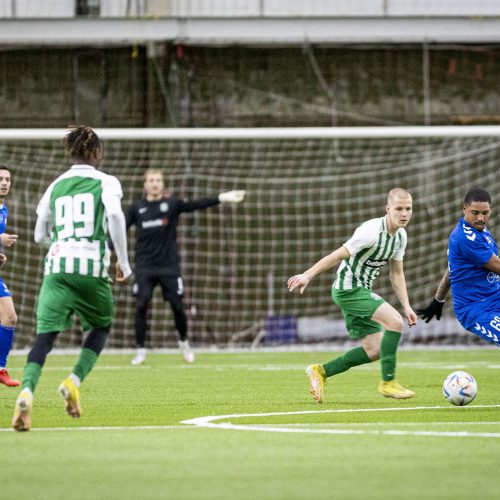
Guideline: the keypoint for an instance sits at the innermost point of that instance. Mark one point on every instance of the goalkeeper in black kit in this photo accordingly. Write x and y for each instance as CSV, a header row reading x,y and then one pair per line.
x,y
157,260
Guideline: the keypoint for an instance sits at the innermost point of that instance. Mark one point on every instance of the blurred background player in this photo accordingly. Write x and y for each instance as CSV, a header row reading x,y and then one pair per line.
x,y
473,272
368,317
8,316
81,207
157,260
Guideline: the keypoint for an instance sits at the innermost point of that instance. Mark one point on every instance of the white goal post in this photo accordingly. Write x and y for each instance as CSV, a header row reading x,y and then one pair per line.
x,y
307,190
180,134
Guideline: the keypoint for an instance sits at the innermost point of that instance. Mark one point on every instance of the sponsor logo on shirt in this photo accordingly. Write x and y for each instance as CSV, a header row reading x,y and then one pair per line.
x,y
375,263
493,277
154,223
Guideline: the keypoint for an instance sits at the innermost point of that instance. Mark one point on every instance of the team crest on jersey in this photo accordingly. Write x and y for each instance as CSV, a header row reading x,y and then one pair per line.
x,y
375,296
164,207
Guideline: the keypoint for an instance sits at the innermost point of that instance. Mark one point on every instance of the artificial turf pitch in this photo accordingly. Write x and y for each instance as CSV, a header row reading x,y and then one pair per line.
x,y
243,425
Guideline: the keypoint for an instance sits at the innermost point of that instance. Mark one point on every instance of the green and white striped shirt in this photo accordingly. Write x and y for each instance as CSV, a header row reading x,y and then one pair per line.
x,y
77,203
371,247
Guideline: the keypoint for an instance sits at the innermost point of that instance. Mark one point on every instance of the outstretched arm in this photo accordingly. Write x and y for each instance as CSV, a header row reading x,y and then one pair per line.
x,y
327,262
435,308
226,197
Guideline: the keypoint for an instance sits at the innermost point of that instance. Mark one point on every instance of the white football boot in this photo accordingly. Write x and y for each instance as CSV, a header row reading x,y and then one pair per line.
x,y
187,352
140,356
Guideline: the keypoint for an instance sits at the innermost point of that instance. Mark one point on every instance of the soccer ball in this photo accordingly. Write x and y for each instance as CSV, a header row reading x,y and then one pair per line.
x,y
459,388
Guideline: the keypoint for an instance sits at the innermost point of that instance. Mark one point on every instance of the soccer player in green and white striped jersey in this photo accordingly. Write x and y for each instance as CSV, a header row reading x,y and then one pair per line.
x,y
77,213
368,317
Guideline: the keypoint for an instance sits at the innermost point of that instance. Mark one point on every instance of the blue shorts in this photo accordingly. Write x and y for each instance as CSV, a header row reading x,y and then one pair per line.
x,y
484,323
4,291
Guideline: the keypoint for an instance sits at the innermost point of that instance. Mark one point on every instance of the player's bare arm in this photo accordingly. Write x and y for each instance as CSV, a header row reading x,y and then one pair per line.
x,y
398,282
443,287
493,264
435,308
119,276
327,262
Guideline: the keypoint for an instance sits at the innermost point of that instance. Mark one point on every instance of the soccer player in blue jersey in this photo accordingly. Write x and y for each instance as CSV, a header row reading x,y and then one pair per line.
x,y
8,317
473,272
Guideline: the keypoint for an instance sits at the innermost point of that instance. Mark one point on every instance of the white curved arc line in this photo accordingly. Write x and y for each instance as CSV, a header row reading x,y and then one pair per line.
x,y
209,422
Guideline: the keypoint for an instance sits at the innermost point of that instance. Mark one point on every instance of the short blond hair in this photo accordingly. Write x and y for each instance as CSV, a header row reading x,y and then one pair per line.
x,y
397,193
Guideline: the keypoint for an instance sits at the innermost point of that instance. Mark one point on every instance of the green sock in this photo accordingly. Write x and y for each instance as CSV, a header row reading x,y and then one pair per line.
x,y
354,357
388,348
31,375
85,363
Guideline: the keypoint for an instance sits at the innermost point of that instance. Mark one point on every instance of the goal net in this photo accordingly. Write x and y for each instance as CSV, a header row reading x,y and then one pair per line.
x,y
307,190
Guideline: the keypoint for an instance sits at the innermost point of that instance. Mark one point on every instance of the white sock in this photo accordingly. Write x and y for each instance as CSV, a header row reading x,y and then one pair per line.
x,y
75,379
141,351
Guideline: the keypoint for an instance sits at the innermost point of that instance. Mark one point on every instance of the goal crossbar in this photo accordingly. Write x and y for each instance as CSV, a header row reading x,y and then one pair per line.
x,y
260,133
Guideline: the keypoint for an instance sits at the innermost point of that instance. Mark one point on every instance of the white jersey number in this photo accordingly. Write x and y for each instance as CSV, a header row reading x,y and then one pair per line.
x,y
75,216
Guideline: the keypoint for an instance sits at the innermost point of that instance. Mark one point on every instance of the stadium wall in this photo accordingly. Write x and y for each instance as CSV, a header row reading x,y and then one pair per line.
x,y
177,86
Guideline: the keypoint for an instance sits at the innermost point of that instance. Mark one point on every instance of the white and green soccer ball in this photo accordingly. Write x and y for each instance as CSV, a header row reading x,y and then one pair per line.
x,y
459,388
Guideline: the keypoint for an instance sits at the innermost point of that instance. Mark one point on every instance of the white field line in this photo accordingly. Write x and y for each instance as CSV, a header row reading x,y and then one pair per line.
x,y
96,368
209,422
300,348
272,367
379,424
422,365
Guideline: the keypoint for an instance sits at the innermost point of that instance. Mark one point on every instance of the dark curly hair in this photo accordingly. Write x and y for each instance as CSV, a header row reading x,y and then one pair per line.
x,y
81,142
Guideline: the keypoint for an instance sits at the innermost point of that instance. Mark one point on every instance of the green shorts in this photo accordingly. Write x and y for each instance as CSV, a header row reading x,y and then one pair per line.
x,y
358,306
63,295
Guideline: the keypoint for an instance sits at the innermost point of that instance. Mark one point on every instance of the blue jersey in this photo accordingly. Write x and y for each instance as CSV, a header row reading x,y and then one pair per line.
x,y
473,287
4,212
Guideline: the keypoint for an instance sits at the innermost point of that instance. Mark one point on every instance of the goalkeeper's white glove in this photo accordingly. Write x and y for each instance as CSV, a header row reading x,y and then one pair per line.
x,y
232,196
